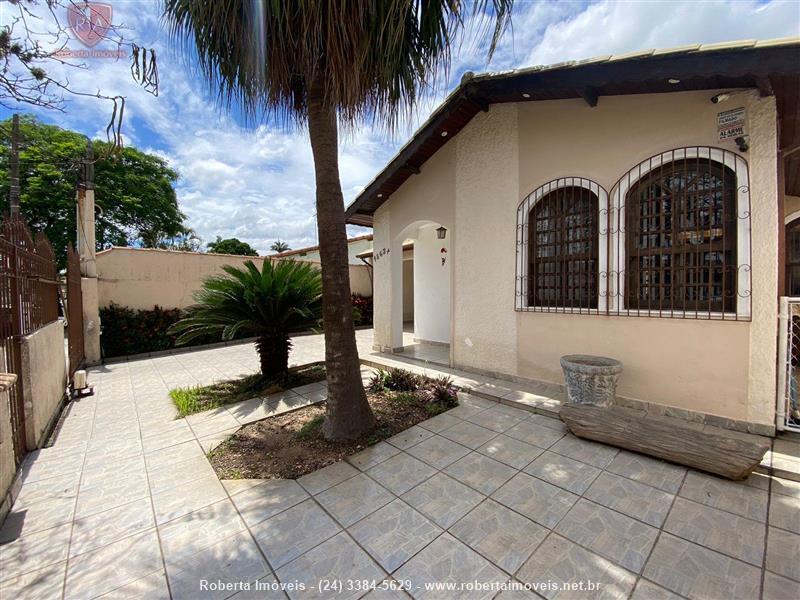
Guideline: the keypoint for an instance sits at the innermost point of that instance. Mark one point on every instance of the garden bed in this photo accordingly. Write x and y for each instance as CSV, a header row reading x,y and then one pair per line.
x,y
291,445
197,399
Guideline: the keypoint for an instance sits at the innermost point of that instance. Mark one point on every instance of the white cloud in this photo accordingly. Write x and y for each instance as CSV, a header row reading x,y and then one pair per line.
x,y
626,26
257,183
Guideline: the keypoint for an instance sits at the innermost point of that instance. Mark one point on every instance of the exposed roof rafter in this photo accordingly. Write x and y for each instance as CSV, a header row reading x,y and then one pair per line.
x,y
591,95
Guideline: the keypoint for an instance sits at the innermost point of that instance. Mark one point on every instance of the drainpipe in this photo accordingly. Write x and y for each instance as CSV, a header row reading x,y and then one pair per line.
x,y
369,272
784,360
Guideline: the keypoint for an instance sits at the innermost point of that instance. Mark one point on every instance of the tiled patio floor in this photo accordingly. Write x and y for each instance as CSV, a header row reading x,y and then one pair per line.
x,y
125,505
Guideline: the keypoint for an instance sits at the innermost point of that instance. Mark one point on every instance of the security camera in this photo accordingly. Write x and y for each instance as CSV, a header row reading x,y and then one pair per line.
x,y
742,143
720,97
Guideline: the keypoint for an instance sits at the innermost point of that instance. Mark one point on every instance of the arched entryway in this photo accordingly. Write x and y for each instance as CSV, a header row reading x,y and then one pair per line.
x,y
425,311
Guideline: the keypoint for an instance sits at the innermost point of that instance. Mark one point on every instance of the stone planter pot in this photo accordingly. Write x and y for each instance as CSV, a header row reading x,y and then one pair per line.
x,y
590,379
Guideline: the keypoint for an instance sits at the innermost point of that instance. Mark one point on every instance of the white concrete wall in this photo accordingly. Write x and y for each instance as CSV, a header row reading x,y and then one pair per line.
x,y
431,286
143,278
44,379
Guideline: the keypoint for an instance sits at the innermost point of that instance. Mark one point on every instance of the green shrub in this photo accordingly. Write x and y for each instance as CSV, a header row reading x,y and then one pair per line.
x,y
440,391
362,309
378,381
126,331
435,409
400,380
407,397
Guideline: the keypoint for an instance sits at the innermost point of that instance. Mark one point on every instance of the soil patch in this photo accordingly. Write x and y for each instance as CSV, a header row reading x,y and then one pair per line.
x,y
292,445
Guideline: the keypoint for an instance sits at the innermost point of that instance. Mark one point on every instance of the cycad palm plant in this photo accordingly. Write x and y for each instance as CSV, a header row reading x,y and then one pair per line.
x,y
268,304
319,63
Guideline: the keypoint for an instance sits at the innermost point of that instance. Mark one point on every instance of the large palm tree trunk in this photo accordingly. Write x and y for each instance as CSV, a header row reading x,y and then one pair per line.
x,y
348,413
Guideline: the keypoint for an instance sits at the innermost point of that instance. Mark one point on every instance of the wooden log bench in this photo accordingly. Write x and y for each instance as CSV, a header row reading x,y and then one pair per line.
x,y
719,451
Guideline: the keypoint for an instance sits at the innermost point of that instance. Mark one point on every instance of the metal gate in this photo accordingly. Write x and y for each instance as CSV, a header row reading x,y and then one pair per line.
x,y
789,365
28,301
74,311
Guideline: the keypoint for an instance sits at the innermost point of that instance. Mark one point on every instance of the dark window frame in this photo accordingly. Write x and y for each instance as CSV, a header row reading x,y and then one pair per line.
x,y
561,274
685,253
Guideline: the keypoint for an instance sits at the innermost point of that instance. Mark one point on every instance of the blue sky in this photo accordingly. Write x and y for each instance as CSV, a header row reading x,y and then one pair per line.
x,y
256,182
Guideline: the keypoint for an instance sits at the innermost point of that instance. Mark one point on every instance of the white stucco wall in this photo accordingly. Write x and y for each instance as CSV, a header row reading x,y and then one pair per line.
x,y
382,297
423,199
766,220
721,368
487,182
431,286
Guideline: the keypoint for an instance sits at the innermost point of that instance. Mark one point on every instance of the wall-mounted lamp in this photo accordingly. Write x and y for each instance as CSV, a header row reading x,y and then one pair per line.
x,y
441,232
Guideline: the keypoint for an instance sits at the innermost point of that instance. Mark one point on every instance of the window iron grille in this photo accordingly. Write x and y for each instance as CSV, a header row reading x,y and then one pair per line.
x,y
672,239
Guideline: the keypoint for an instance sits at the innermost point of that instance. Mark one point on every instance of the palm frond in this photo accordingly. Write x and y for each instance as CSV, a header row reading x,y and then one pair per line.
x,y
372,56
279,299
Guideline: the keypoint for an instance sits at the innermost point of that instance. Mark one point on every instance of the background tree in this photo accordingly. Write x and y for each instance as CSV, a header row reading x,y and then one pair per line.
x,y
319,63
135,194
231,246
33,40
279,246
185,241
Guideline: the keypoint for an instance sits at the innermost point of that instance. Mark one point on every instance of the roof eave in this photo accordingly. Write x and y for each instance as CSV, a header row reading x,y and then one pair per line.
x,y
750,61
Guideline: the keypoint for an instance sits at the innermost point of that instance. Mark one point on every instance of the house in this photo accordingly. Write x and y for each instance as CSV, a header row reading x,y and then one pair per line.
x,y
628,206
355,246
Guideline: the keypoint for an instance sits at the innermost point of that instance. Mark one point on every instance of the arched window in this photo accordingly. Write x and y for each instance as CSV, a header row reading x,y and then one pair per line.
x,y
681,238
562,252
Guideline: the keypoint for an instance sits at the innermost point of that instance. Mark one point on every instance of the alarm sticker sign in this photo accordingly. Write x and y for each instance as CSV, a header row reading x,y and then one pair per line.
x,y
730,123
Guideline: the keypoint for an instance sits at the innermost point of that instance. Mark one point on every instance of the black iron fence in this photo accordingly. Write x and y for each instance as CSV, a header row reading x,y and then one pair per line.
x,y
28,302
